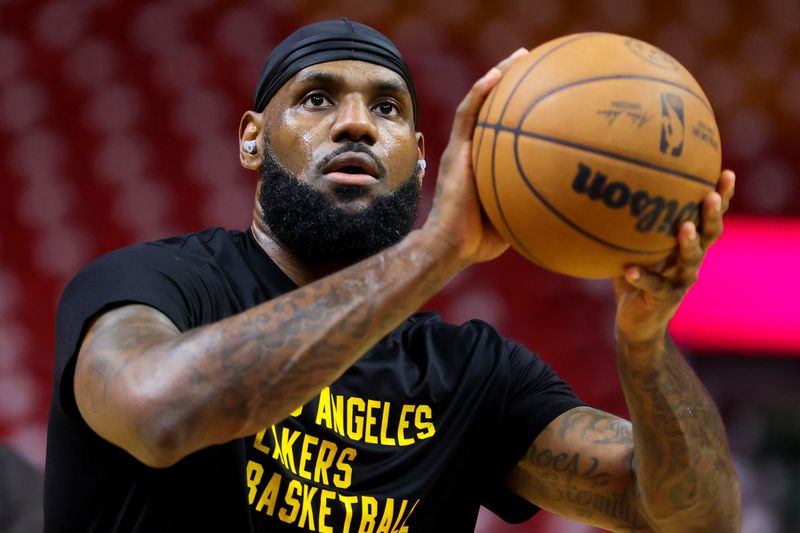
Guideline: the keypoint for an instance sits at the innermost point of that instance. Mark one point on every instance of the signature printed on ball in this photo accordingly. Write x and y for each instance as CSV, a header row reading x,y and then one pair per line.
x,y
633,110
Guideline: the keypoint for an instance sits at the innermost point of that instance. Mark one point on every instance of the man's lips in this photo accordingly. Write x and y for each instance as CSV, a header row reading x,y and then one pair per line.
x,y
351,168
343,178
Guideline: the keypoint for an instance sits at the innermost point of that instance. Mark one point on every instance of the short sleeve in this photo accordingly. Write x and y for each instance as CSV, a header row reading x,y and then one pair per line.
x,y
536,396
145,274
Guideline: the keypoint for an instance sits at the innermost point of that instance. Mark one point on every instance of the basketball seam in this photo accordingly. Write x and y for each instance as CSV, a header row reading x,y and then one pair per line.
x,y
614,77
591,149
494,141
477,159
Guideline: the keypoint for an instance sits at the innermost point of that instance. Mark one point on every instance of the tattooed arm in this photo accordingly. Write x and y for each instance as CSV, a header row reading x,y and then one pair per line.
x,y
161,394
580,467
670,470
684,469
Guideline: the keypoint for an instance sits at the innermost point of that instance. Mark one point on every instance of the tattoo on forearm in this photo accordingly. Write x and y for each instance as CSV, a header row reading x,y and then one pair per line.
x,y
681,448
250,350
252,369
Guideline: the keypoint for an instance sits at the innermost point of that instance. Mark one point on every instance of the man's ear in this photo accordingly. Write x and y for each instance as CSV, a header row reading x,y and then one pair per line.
x,y
251,149
421,155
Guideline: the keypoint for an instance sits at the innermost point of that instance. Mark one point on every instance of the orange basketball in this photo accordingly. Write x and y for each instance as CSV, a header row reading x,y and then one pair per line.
x,y
592,150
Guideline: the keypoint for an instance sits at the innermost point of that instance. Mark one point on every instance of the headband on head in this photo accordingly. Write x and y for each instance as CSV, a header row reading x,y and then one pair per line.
x,y
329,40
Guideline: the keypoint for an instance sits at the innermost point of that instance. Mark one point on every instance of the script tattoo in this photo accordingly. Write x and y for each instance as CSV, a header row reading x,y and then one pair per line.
x,y
570,465
580,482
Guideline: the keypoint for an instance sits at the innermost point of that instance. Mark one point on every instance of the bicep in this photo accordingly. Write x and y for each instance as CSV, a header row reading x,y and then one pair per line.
x,y
108,373
580,467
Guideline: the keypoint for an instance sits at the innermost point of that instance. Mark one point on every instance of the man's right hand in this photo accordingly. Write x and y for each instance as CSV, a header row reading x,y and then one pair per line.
x,y
457,216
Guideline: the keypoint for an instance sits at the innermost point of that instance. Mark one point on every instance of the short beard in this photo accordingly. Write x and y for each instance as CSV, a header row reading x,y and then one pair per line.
x,y
317,231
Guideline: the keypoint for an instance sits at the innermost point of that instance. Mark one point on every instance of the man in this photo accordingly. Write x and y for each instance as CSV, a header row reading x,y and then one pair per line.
x,y
274,380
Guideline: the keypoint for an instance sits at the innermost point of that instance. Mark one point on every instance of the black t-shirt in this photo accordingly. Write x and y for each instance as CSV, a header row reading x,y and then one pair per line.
x,y
413,437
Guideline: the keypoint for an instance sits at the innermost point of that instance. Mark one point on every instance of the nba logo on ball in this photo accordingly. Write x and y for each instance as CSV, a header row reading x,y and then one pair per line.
x,y
591,152
672,125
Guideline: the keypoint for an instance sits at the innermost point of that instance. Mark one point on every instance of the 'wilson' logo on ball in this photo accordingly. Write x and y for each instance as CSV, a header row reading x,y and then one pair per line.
x,y
651,213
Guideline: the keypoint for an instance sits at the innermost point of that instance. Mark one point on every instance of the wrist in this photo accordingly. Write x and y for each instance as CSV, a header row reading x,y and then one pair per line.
x,y
433,244
643,350
446,243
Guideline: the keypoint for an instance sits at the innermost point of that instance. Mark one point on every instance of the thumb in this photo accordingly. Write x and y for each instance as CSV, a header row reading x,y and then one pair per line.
x,y
470,106
467,111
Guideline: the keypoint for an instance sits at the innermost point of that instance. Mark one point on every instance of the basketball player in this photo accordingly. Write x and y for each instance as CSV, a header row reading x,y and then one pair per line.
x,y
277,379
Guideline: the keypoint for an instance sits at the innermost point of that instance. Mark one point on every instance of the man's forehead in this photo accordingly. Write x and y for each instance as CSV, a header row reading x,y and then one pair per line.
x,y
352,71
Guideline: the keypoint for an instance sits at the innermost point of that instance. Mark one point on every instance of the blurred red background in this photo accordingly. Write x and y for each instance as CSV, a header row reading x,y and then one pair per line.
x,y
118,123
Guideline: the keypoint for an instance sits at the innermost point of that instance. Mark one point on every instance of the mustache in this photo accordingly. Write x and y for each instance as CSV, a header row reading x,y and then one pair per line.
x,y
351,146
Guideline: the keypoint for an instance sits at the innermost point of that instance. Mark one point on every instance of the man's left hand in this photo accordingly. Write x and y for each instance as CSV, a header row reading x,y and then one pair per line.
x,y
648,298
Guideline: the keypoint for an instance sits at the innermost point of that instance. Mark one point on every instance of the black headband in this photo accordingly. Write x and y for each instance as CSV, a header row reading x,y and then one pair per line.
x,y
329,40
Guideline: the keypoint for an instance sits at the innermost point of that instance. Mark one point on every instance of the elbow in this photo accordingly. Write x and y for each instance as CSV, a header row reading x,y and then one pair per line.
x,y
154,460
709,508
157,448
170,422
142,427
725,510
731,506
170,425
161,433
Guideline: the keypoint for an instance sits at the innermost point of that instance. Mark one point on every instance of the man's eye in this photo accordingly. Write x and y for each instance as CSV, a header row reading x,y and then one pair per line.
x,y
387,108
317,100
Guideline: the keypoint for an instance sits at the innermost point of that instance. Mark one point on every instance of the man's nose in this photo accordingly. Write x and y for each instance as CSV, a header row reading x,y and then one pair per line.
x,y
354,122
